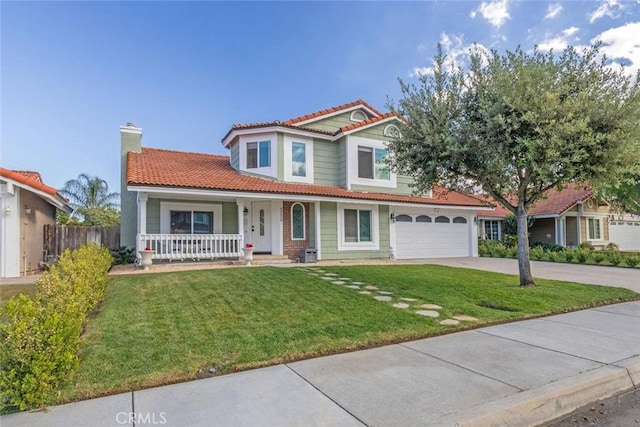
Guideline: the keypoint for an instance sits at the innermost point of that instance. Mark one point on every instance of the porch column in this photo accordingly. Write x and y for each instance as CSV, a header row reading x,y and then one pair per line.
x,y
142,217
240,204
558,228
316,216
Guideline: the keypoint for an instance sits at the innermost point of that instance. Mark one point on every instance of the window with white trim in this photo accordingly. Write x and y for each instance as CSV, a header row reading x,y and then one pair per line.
x,y
297,222
357,116
371,163
298,159
358,227
594,229
191,222
392,131
258,154
491,230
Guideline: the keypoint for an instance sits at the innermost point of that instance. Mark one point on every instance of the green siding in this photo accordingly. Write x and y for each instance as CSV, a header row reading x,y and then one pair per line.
x,y
342,162
374,132
333,123
229,218
402,187
325,162
329,234
235,156
229,214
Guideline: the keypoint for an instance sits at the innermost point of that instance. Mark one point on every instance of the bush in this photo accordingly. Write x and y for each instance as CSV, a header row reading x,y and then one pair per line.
x,y
123,255
632,260
536,253
613,246
553,256
615,257
40,337
548,247
569,254
582,255
586,245
491,248
599,256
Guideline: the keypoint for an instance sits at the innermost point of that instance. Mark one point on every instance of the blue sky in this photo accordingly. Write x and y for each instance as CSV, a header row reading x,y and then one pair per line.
x,y
73,72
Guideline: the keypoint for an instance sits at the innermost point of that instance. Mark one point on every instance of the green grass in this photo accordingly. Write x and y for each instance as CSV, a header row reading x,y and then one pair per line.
x,y
161,328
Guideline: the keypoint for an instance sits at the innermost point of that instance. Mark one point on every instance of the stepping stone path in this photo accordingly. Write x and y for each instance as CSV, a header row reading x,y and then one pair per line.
x,y
430,306
465,318
428,313
427,310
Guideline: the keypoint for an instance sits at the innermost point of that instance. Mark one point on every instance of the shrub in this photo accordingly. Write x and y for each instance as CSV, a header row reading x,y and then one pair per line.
x,y
632,260
613,246
40,337
536,253
123,255
492,248
553,256
513,252
599,256
586,245
548,247
569,254
582,255
615,257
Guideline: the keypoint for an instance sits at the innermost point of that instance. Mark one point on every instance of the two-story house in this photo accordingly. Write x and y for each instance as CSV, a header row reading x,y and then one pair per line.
x,y
314,181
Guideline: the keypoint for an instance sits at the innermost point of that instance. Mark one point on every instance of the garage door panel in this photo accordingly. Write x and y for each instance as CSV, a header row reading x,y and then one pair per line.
x,y
427,236
625,234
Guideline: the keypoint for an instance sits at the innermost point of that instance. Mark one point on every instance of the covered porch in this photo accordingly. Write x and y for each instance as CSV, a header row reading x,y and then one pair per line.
x,y
182,227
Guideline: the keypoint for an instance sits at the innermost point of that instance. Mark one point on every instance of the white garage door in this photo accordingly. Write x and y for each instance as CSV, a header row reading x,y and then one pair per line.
x,y
424,236
625,234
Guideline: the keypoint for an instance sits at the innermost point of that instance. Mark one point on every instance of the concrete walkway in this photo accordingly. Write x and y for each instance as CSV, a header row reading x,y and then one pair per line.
x,y
628,278
517,374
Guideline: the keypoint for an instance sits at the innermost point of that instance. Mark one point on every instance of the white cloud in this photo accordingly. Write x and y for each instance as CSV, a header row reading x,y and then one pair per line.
x,y
621,46
553,10
610,8
496,12
559,41
456,53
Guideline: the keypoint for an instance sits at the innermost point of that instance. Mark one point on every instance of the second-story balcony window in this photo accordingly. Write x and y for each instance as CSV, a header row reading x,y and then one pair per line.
x,y
371,163
258,154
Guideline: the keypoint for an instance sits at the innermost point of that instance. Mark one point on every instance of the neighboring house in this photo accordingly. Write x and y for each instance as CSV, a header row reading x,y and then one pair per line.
x,y
316,181
570,217
26,205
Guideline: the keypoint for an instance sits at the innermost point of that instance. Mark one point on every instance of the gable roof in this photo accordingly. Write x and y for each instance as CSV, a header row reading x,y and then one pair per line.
x,y
32,181
298,123
175,169
554,202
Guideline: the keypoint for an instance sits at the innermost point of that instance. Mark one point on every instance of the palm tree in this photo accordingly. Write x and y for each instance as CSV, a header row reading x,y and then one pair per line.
x,y
87,193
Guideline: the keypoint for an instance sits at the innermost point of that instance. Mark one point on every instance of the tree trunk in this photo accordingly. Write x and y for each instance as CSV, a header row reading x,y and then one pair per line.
x,y
524,263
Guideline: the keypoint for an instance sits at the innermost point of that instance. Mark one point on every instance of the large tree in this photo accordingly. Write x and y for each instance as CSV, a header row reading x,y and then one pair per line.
x,y
518,125
90,197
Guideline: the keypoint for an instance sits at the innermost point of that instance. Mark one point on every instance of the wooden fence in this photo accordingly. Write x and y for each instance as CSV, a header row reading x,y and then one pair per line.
x,y
58,238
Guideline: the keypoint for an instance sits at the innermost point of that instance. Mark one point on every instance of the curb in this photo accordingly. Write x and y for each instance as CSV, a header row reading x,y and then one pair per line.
x,y
546,403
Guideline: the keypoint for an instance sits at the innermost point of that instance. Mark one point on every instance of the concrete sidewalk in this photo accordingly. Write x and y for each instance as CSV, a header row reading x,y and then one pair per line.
x,y
517,374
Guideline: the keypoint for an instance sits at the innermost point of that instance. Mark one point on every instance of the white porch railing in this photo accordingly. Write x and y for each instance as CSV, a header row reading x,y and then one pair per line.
x,y
192,246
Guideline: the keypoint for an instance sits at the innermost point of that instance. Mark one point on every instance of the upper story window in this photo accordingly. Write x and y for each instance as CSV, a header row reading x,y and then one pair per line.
x,y
258,154
299,159
371,163
357,116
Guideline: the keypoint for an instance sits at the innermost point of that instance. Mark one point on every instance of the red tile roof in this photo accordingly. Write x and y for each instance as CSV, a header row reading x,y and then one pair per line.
x,y
167,168
33,180
554,203
321,113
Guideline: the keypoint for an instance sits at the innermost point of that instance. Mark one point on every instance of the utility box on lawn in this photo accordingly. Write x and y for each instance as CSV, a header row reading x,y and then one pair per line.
x,y
309,255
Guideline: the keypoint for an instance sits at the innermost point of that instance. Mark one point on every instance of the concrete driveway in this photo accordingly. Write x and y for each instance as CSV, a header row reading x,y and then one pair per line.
x,y
628,278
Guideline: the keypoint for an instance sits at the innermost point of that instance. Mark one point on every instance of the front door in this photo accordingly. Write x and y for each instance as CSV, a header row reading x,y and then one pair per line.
x,y
261,226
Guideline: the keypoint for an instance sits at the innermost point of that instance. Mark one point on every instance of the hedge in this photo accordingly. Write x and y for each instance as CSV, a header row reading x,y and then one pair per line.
x,y
40,336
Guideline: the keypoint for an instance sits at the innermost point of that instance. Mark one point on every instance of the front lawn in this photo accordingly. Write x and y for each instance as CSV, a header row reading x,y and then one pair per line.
x,y
161,328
